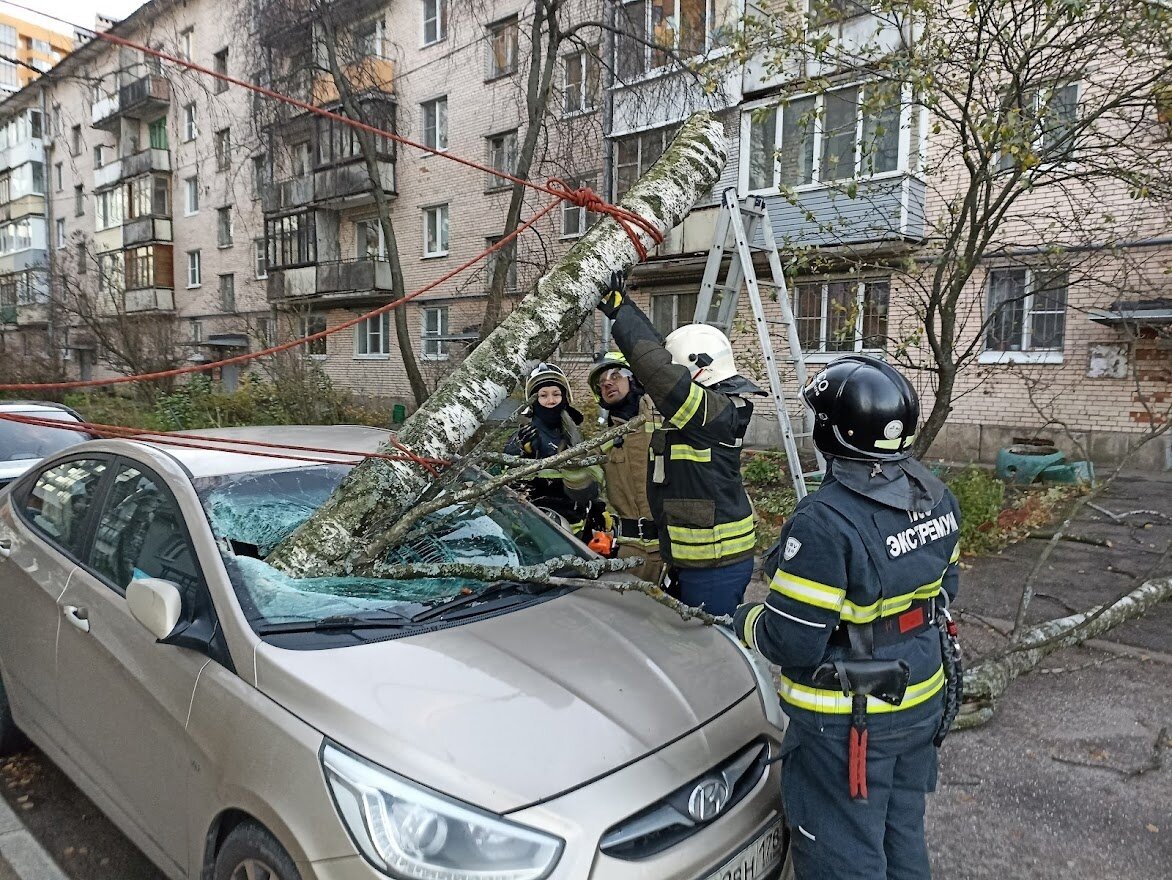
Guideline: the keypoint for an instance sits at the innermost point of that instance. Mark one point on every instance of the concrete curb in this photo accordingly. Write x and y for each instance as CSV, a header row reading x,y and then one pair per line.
x,y
22,852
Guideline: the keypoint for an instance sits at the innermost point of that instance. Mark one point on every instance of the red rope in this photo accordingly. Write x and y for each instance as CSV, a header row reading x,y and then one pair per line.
x,y
585,197
175,438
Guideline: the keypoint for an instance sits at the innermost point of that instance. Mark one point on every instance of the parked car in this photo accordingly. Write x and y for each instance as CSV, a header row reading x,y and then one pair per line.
x,y
22,445
238,722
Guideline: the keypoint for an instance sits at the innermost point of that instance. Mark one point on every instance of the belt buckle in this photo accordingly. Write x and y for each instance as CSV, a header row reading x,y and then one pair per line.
x,y
642,534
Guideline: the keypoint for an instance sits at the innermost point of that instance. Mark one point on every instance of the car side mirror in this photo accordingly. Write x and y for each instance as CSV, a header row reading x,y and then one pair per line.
x,y
156,604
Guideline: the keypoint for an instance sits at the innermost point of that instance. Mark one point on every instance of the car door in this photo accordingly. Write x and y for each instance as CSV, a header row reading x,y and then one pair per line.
x,y
122,694
44,525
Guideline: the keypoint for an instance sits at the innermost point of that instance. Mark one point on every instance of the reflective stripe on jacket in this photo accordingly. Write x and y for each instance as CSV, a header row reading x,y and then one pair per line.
x,y
694,481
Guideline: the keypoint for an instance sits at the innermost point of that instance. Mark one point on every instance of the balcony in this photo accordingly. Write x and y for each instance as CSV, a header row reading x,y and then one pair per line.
x,y
281,195
146,161
338,186
143,98
7,314
32,314
366,76
141,301
883,210
145,230
354,281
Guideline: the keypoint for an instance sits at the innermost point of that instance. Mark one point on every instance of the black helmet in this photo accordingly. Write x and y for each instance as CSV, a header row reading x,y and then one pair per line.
x,y
863,409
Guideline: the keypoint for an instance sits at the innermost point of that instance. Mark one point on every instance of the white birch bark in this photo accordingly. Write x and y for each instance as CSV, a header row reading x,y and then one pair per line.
x,y
376,492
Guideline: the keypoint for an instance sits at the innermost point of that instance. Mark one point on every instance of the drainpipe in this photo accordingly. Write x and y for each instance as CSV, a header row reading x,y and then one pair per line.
x,y
50,220
608,44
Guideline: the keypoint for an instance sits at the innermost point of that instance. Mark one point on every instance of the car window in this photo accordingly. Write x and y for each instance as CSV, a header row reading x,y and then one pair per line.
x,y
61,498
141,533
20,441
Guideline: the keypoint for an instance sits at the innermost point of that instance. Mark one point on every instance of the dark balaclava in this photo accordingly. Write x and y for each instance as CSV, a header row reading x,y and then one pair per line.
x,y
549,415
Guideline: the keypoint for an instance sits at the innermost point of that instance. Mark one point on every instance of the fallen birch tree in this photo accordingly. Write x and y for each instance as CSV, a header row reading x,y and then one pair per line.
x,y
376,493
985,683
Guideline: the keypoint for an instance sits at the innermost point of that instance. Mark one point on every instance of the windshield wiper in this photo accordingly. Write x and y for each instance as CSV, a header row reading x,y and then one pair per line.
x,y
494,590
336,623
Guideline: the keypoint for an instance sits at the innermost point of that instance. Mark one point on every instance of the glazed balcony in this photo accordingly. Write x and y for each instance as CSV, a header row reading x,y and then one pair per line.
x,y
144,98
353,281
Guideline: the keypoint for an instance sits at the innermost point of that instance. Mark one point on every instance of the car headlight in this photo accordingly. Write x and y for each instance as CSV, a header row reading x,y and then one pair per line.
x,y
407,831
766,683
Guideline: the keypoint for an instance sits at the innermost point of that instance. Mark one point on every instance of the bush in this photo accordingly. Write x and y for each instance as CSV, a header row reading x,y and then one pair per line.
x,y
765,469
981,496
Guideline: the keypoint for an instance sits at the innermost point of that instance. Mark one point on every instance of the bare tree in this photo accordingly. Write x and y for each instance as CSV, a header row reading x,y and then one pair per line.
x,y
1047,148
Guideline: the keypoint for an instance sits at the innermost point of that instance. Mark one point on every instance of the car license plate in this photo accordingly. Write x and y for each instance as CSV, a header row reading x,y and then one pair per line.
x,y
757,859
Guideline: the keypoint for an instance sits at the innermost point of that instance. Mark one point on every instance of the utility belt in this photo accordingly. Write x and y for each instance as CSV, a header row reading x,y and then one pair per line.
x,y
896,628
640,528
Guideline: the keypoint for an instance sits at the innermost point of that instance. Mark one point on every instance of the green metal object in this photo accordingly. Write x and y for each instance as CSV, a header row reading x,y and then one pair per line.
x,y
1072,474
398,414
1022,465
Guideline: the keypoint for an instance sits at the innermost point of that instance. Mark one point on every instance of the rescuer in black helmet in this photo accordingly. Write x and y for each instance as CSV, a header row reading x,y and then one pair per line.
x,y
856,618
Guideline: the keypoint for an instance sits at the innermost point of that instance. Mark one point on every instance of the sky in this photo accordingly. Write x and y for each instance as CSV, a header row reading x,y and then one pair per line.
x,y
80,12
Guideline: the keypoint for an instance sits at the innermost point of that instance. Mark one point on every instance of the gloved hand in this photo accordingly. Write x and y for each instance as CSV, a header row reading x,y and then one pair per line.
x,y
615,294
743,620
527,440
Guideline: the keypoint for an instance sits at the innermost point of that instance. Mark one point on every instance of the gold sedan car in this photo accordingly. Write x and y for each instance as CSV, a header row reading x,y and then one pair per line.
x,y
236,722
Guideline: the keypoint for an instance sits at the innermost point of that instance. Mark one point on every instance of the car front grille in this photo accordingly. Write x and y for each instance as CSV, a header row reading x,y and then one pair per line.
x,y
670,820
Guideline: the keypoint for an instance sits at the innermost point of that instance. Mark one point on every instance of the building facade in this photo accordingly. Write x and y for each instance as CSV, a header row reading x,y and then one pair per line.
x,y
29,50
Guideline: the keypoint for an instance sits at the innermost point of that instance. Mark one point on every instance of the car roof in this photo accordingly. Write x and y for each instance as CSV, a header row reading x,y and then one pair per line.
x,y
33,406
224,459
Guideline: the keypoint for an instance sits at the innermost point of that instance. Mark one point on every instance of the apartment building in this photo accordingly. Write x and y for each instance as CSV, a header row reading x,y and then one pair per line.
x,y
28,50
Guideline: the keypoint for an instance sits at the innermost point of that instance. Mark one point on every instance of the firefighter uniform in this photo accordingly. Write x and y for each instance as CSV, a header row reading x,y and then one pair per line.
x,y
694,483
843,558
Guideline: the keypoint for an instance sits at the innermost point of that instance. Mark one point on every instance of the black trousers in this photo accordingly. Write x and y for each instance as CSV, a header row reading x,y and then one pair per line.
x,y
837,838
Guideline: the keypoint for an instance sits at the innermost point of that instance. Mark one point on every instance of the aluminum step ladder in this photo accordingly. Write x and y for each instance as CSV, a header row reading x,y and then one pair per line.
x,y
747,221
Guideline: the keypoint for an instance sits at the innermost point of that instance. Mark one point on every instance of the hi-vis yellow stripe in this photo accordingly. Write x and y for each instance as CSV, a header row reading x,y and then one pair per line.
x,y
690,406
726,539
750,621
955,557
815,699
683,452
886,607
897,443
808,591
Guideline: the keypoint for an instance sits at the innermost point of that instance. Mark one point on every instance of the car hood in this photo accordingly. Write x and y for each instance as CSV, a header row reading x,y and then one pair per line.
x,y
10,470
515,709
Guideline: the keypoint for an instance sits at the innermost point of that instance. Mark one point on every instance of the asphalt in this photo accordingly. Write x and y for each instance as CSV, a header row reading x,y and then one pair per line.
x,y
1071,778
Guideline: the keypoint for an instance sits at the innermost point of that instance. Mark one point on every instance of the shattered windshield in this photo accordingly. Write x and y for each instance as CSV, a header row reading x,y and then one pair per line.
x,y
252,513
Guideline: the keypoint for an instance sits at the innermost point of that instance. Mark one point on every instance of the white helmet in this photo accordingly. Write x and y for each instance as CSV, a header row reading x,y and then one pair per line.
x,y
704,350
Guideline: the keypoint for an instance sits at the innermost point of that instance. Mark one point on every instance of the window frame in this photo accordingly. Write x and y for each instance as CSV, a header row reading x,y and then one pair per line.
x,y
496,182
226,289
510,28
431,129
639,138
587,88
651,57
445,246
223,149
309,326
260,259
224,231
677,320
191,195
586,219
862,288
1026,353
220,66
440,17
436,338
194,269
1006,162
190,123
25,484
366,331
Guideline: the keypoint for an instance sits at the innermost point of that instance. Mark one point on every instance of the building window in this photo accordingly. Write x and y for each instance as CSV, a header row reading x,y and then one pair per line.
x,y
83,259
194,269
838,316
435,123
435,231
60,233
435,21
260,258
502,47
300,159
191,190
190,130
266,332
435,332
576,220
839,135
1048,118
368,238
197,331
223,227
372,337
311,325
157,133
220,66
260,174
109,208
186,37
228,293
1027,310
141,267
75,141
651,32
148,197
636,153
291,240
223,149
580,84
672,310
99,156
370,39
59,175
502,157
78,200
582,343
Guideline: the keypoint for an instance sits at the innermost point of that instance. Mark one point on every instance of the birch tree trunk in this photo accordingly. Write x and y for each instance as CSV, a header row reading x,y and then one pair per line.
x,y
376,492
988,680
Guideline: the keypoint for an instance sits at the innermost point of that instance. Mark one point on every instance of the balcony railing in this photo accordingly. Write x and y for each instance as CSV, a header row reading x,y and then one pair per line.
x,y
353,280
146,96
147,299
144,230
336,186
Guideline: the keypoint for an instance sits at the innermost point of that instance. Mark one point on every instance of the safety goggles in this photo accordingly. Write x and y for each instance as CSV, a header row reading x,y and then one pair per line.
x,y
613,374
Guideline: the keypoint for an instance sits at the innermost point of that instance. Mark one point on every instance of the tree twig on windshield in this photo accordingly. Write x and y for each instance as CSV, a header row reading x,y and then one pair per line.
x,y
541,573
650,590
395,533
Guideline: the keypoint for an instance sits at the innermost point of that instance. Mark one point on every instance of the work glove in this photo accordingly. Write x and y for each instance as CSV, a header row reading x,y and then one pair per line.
x,y
615,294
527,440
743,619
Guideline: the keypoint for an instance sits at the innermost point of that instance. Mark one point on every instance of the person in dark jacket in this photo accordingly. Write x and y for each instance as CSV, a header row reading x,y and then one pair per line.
x,y
552,426
857,581
706,527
